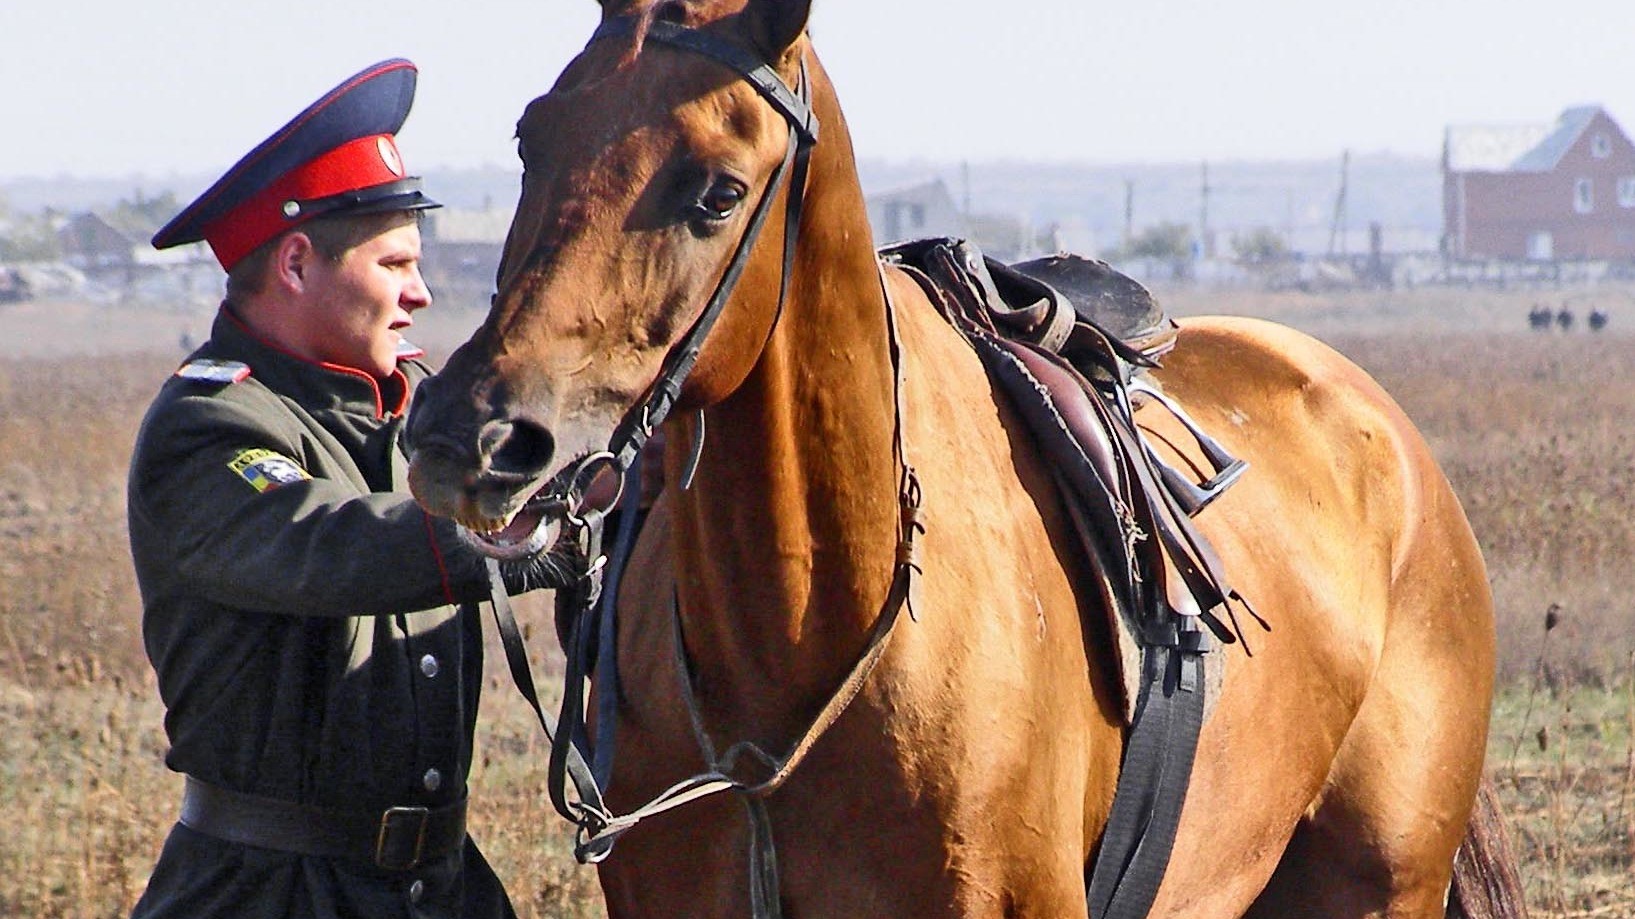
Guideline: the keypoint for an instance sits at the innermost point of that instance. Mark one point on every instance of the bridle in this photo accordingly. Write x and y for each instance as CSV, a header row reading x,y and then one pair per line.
x,y
796,108
635,429
592,611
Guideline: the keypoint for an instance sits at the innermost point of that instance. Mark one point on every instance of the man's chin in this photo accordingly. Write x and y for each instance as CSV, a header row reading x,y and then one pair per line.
x,y
378,359
382,362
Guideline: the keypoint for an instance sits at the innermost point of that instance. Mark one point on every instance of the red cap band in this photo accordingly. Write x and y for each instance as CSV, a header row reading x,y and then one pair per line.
x,y
357,164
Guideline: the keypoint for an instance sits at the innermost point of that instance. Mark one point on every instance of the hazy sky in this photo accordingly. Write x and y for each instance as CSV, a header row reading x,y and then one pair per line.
x,y
117,87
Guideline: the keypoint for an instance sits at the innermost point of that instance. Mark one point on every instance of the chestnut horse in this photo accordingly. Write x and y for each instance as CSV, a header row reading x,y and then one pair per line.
x,y
973,771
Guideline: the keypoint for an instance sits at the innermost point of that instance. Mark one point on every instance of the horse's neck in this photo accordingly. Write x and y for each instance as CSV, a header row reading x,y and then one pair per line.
x,y
787,539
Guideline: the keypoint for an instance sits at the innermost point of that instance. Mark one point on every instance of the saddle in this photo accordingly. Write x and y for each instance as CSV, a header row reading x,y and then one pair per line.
x,y
1068,340
1065,304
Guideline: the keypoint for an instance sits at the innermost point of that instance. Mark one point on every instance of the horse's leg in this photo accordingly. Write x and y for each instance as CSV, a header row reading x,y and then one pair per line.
x,y
1380,839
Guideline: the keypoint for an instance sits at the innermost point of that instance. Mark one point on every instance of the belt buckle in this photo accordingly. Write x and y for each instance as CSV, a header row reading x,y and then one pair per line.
x,y
391,821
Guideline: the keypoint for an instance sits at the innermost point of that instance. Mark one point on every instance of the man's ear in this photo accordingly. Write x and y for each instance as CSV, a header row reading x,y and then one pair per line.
x,y
292,262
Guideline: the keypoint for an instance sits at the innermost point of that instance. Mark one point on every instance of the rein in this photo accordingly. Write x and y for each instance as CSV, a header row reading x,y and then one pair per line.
x,y
599,827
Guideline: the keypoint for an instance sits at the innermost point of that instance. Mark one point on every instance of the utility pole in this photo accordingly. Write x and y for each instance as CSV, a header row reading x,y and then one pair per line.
x,y
1205,243
1336,229
1129,211
1288,218
965,196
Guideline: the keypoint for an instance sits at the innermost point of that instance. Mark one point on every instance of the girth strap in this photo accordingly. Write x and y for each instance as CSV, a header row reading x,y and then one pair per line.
x,y
1152,785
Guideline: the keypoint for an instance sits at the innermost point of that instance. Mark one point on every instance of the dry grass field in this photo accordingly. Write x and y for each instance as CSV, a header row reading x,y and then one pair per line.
x,y
1532,428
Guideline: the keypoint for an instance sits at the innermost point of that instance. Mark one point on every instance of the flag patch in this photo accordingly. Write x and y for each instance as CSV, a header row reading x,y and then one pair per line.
x,y
266,470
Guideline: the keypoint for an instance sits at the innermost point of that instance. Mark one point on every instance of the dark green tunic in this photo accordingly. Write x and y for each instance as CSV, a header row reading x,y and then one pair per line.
x,y
314,632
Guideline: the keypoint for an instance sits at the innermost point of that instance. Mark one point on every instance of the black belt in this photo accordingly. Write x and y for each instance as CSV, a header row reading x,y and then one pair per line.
x,y
397,839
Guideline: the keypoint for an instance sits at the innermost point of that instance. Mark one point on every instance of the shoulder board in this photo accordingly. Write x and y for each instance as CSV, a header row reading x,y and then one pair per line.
x,y
407,351
209,371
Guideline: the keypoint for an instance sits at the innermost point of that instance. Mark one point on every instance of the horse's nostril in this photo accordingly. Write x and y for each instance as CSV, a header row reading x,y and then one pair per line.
x,y
519,446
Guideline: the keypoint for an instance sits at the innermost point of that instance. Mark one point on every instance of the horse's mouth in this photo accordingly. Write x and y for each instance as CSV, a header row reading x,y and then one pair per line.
x,y
534,524
511,515
529,530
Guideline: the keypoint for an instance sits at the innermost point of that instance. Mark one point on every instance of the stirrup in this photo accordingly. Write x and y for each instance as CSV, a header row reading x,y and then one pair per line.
x,y
1226,468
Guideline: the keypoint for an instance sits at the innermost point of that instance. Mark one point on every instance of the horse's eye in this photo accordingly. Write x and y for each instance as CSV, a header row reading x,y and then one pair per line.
x,y
719,200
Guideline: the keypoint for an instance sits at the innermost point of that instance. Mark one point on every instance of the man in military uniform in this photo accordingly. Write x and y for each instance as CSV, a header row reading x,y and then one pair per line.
x,y
315,634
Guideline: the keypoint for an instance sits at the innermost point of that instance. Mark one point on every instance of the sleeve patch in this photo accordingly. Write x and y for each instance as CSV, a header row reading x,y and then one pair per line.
x,y
266,470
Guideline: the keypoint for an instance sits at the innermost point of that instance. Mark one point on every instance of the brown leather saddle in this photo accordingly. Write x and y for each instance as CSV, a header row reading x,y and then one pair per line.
x,y
1103,324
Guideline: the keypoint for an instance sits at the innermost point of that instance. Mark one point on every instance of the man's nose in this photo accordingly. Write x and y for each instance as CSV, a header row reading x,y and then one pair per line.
x,y
416,295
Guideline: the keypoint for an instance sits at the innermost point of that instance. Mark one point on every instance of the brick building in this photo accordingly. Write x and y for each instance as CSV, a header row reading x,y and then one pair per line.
x,y
1541,192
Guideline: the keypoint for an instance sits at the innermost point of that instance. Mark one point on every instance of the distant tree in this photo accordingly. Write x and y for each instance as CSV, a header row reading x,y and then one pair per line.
x,y
1167,241
1171,243
1260,246
30,238
140,215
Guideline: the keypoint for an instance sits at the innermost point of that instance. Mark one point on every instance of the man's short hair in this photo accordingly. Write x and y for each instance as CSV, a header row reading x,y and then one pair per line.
x,y
332,238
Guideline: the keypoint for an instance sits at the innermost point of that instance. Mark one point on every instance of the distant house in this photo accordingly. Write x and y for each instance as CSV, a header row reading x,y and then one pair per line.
x,y
464,245
1540,192
89,243
914,212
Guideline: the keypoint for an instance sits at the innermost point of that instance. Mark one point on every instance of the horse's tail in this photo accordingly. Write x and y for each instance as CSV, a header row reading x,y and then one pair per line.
x,y
1485,882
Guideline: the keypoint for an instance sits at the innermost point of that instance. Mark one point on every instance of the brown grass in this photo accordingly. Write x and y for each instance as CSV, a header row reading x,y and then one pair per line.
x,y
1533,432
1531,429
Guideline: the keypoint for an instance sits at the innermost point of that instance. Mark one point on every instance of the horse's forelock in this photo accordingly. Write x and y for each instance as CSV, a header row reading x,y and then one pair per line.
x,y
690,13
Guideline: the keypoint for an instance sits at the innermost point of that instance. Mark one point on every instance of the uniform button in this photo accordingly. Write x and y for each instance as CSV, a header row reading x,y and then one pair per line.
x,y
433,779
429,666
417,890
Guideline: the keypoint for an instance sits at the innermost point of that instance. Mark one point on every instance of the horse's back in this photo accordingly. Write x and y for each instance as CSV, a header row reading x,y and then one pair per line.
x,y
1362,713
